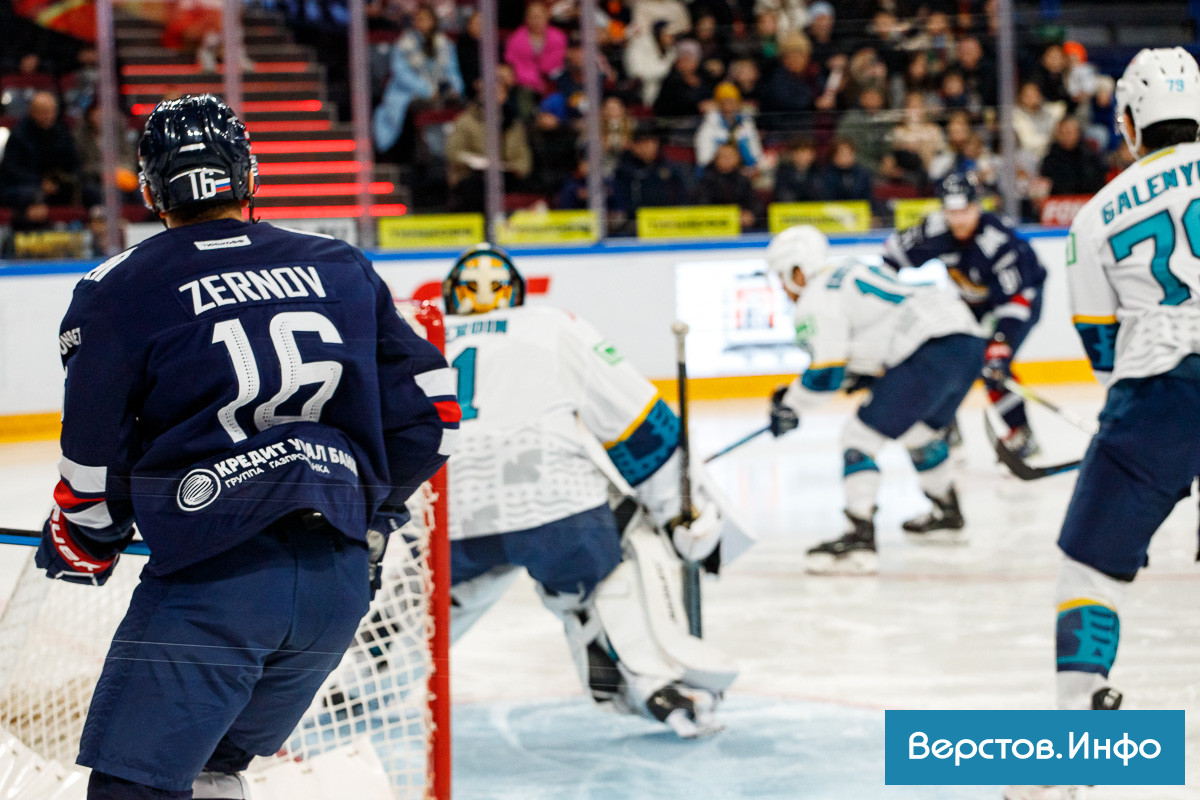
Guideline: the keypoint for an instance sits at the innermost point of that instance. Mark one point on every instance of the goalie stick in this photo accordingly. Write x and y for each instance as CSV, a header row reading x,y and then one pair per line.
x,y
34,538
687,513
1015,464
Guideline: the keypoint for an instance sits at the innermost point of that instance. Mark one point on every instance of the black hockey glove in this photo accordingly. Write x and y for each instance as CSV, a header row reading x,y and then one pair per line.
x,y
783,417
386,522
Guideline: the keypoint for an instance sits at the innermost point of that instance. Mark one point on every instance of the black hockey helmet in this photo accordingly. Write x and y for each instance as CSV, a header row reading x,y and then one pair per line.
x,y
195,150
958,190
482,279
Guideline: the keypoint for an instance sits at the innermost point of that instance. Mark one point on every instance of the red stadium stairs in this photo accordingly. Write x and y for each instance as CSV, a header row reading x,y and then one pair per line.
x,y
306,156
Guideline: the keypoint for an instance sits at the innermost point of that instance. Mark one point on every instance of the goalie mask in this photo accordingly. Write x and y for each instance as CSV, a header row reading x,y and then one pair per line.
x,y
195,150
483,279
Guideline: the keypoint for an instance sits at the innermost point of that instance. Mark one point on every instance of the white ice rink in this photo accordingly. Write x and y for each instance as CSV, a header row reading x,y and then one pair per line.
x,y
967,627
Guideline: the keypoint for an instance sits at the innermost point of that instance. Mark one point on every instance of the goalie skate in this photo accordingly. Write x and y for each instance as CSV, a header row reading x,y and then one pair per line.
x,y
851,554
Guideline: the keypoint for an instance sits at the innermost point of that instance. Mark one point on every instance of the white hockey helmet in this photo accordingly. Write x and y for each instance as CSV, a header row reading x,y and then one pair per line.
x,y
1158,85
800,246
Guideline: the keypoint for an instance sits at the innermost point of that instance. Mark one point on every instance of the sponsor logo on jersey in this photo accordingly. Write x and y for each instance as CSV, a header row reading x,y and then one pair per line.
x,y
221,244
1070,249
67,340
197,490
609,353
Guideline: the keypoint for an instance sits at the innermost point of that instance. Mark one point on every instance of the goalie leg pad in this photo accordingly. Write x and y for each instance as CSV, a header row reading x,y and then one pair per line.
x,y
1088,630
471,599
641,610
219,786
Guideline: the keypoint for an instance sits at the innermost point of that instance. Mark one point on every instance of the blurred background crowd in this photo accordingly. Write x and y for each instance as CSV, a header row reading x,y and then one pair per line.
x,y
703,102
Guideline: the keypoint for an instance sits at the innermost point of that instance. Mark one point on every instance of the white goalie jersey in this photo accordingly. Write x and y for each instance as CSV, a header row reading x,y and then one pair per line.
x,y
533,383
854,318
1133,263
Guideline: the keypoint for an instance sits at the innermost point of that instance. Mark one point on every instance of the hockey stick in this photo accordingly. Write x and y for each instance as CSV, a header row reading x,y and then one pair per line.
x,y
1087,426
729,448
691,569
34,538
1013,462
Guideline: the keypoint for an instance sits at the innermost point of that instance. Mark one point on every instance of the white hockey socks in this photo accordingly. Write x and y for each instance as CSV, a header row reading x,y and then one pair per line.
x,y
1088,629
860,473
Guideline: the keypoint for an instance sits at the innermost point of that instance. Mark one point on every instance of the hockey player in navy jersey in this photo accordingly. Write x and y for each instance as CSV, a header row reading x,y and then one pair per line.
x,y
250,399
997,274
552,417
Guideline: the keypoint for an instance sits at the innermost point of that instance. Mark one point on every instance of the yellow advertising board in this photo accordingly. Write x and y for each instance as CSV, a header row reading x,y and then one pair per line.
x,y
909,212
549,227
430,231
832,217
688,222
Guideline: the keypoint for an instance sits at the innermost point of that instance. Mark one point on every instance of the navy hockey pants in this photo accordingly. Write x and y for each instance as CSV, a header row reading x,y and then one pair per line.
x,y
1140,464
564,556
928,386
217,662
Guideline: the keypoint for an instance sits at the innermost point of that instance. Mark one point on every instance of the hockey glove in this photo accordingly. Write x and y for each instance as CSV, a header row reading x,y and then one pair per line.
x,y
784,418
383,525
696,539
857,382
68,554
996,360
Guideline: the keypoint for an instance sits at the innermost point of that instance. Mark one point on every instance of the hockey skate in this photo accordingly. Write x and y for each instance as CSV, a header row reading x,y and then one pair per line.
x,y
852,554
1104,699
943,523
686,710
1020,441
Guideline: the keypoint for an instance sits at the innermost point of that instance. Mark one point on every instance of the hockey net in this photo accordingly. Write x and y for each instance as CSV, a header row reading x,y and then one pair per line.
x,y
391,688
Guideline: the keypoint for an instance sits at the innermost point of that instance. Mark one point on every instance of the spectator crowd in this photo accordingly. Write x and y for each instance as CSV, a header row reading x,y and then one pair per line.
x,y
739,101
703,102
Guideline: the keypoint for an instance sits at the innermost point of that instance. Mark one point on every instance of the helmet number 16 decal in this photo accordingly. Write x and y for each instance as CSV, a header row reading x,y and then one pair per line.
x,y
205,182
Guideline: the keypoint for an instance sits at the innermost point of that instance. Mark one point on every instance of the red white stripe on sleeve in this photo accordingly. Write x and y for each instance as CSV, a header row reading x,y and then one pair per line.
x,y
440,386
1017,307
80,494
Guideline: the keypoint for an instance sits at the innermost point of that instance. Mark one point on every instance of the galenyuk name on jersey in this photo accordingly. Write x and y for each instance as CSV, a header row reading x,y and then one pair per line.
x,y
229,288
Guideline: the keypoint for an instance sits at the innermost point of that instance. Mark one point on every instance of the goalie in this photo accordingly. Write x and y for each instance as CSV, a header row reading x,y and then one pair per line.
x,y
540,389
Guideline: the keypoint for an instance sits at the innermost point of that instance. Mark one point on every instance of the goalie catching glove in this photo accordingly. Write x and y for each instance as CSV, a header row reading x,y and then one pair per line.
x,y
66,553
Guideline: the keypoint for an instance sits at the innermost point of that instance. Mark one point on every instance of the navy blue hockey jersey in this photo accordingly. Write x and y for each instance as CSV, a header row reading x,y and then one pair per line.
x,y
223,374
996,271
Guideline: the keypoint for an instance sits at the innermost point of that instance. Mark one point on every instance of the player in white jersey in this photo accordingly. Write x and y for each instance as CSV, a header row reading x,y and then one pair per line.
x,y
1133,263
552,417
921,343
